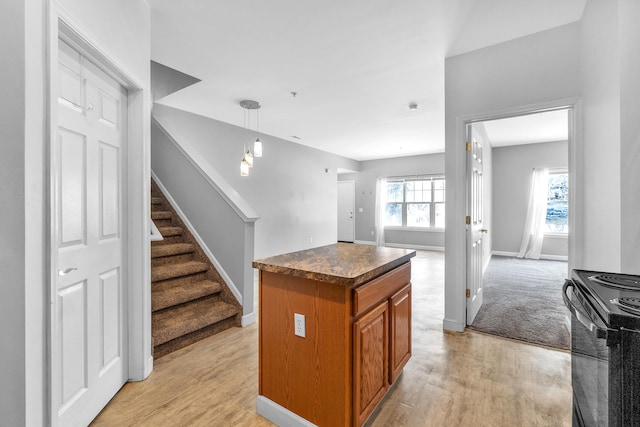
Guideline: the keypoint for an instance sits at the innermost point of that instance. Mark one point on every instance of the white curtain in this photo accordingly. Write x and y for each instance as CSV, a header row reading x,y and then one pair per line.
x,y
381,201
536,215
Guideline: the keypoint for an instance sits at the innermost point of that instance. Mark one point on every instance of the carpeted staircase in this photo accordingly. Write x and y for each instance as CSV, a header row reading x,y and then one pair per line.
x,y
189,299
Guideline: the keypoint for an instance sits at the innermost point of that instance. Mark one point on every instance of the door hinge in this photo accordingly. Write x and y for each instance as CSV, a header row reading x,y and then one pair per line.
x,y
467,220
468,146
468,293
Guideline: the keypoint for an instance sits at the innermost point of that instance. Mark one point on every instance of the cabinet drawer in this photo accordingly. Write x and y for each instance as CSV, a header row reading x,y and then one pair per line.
x,y
381,288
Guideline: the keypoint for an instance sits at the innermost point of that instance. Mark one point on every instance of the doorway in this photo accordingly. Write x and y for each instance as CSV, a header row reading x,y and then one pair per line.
x,y
98,182
89,342
515,147
346,208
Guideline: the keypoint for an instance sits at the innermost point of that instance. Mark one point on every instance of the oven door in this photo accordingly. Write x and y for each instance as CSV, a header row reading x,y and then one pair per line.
x,y
589,359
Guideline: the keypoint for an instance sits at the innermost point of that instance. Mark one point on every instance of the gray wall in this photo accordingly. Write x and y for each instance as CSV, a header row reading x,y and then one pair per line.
x,y
217,223
512,172
288,187
366,197
12,212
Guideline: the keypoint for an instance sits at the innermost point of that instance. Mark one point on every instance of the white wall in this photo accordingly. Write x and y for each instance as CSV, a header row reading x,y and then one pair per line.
x,y
288,187
600,72
629,13
610,67
512,168
122,28
365,197
535,70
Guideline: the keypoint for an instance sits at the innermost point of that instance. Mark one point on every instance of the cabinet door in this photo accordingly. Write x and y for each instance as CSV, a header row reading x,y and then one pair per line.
x,y
371,344
400,334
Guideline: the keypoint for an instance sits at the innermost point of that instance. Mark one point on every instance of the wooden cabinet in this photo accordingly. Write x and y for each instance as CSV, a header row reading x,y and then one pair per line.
x,y
400,332
370,361
357,340
381,339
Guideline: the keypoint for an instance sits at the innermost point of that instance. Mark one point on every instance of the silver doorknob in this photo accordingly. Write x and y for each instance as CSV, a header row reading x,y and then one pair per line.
x,y
67,271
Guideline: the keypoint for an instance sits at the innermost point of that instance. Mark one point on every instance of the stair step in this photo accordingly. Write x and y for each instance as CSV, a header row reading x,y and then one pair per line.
x,y
172,323
171,271
172,249
170,231
161,215
155,200
163,298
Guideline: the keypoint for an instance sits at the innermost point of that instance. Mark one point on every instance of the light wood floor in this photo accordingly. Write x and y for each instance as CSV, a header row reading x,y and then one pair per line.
x,y
453,379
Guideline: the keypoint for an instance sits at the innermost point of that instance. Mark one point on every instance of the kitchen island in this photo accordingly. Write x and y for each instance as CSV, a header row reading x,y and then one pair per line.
x,y
334,332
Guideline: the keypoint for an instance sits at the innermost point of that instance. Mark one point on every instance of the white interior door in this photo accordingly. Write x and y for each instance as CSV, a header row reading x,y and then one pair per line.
x,y
346,209
88,317
475,228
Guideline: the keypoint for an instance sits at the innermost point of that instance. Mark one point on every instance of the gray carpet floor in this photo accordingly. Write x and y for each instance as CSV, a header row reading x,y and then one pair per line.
x,y
523,301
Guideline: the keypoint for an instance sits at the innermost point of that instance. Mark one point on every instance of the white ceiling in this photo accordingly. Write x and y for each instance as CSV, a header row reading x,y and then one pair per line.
x,y
356,65
529,129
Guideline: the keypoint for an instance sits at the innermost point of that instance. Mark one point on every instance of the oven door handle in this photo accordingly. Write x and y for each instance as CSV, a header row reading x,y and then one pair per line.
x,y
611,335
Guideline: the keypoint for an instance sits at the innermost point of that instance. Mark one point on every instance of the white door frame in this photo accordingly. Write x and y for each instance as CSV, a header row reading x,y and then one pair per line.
x,y
455,288
138,285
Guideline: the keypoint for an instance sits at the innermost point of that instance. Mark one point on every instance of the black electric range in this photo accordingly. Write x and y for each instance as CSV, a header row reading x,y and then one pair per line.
x,y
605,348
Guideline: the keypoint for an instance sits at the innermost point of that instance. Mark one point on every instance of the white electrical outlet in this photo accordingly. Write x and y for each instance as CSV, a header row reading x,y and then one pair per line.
x,y
300,328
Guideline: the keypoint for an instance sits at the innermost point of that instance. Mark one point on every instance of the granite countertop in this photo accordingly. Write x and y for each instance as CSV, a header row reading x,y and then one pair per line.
x,y
341,263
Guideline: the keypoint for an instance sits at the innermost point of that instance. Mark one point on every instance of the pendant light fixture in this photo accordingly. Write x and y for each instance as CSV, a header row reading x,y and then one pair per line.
x,y
248,157
244,168
247,160
257,145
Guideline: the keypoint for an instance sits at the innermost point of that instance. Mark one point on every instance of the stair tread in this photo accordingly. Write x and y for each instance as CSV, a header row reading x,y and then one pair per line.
x,y
163,298
156,200
161,215
171,271
171,249
173,323
170,231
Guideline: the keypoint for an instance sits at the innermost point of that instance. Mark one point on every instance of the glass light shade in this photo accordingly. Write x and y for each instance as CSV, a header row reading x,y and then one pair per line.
x,y
248,157
257,148
244,168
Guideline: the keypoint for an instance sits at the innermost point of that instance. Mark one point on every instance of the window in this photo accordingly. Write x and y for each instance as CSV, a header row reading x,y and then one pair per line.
x,y
417,203
557,220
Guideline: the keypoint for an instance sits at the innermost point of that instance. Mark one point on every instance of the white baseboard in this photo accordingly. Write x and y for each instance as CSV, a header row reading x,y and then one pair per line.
x,y
402,246
452,325
148,367
232,287
486,264
280,416
248,319
503,253
555,257
542,256
364,242
418,247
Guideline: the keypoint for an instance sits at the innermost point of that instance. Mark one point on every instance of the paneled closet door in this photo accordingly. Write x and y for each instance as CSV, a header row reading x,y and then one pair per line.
x,y
88,303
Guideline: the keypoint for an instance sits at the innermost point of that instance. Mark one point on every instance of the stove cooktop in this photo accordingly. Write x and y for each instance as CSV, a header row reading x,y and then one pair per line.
x,y
618,281
616,296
